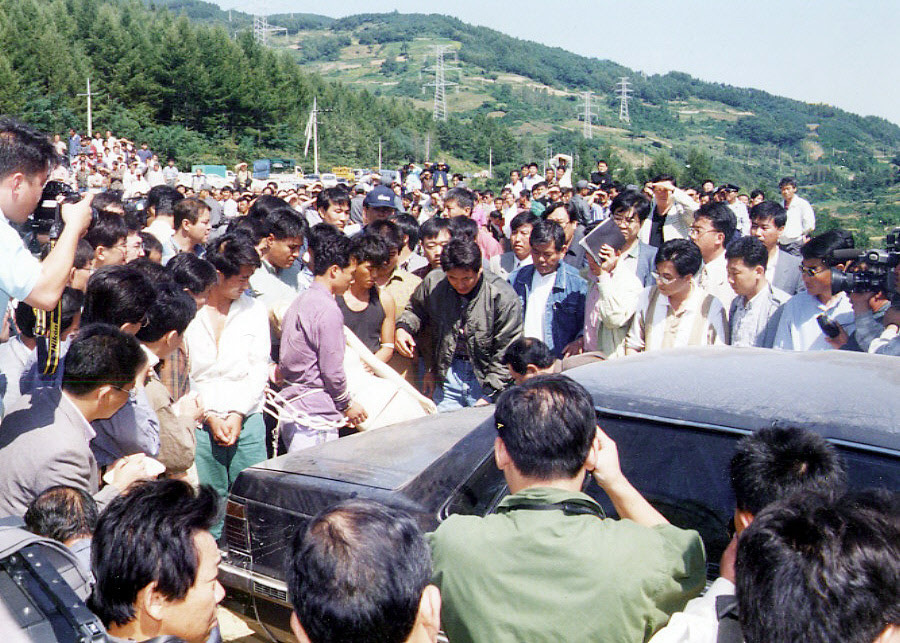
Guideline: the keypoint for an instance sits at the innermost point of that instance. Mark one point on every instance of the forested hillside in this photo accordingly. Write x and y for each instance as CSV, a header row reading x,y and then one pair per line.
x,y
192,90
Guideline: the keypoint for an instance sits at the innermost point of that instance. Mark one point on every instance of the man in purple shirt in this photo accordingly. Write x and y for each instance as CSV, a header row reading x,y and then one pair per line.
x,y
312,351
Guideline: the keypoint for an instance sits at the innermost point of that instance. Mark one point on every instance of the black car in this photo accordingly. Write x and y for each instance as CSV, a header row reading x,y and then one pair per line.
x,y
675,416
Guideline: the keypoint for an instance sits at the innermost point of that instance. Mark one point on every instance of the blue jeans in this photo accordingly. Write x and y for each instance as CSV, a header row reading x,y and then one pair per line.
x,y
460,388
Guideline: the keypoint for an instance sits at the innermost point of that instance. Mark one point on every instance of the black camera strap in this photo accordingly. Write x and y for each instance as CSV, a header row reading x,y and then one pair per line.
x,y
47,328
569,508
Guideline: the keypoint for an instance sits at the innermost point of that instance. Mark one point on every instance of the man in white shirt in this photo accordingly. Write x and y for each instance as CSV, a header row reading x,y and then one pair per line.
x,y
755,311
767,220
515,184
798,328
712,230
532,177
673,212
801,220
729,195
520,254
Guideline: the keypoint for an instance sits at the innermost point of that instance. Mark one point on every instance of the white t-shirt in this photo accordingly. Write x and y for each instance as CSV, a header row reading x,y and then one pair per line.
x,y
541,287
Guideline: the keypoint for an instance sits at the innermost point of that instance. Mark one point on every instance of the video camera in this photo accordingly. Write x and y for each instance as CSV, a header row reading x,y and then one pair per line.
x,y
878,273
46,218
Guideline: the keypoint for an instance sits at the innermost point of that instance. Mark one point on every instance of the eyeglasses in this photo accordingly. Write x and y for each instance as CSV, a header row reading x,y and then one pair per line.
x,y
665,281
130,392
699,232
618,218
811,272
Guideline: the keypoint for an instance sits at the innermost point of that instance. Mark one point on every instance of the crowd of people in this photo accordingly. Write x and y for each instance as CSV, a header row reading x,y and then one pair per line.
x,y
184,311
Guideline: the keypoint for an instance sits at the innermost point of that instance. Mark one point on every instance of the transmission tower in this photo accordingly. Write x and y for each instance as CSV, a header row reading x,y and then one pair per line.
x,y
440,82
623,89
262,29
587,114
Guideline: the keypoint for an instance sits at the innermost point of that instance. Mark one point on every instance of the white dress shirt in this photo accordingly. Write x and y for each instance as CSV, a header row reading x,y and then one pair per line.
x,y
541,287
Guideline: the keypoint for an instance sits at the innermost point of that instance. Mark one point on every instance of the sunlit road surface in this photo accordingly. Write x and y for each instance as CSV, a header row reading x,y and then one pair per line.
x,y
235,630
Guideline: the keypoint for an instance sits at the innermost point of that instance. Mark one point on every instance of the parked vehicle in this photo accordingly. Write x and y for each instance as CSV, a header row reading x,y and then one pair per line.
x,y
675,416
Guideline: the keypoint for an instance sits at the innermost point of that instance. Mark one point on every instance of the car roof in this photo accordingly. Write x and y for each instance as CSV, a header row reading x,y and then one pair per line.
x,y
843,395
387,458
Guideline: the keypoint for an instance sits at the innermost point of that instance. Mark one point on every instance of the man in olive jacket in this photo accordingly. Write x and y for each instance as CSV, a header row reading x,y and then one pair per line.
x,y
472,316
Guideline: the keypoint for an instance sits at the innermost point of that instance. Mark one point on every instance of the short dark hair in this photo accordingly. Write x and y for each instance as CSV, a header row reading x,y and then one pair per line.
x,y
769,210
547,231
286,223
103,200
254,228
24,149
463,197
162,198
523,351
191,272
720,216
146,536
684,255
432,227
461,253
62,513
231,252
84,254
264,204
153,271
370,247
72,301
332,196
822,246
173,309
408,226
389,232
631,200
547,424
463,227
775,462
189,209
357,572
570,209
526,217
816,568
756,193
330,250
659,178
150,243
751,250
788,180
100,355
107,230
117,295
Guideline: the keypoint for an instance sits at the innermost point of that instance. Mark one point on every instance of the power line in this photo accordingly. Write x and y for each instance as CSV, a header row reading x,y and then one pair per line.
x,y
623,89
587,114
440,82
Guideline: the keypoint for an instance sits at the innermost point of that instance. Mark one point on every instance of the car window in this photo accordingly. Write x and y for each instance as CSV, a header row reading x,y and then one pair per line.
x,y
480,493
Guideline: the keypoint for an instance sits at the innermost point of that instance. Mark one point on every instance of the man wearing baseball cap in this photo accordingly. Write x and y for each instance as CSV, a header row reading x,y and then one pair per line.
x,y
380,203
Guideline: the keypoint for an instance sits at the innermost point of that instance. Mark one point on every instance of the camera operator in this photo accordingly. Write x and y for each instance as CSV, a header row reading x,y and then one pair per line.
x,y
876,323
26,158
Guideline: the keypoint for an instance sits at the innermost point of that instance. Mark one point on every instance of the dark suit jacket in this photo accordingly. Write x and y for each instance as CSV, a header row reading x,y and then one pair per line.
x,y
42,444
787,274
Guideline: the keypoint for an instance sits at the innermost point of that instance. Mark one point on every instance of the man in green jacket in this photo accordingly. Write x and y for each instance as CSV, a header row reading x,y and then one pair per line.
x,y
547,566
472,317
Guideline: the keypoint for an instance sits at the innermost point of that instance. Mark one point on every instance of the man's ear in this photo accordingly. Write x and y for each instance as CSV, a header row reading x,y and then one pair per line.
x,y
150,602
742,520
429,615
590,462
501,455
531,370
298,630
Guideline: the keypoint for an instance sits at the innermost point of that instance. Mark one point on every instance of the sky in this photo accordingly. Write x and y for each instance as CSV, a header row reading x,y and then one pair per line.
x,y
824,51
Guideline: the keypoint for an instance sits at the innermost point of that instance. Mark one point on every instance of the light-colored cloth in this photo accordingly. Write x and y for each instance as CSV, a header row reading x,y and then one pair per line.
x,y
19,270
679,218
801,220
231,374
700,321
798,329
699,621
783,272
713,278
741,215
541,286
14,357
609,309
754,322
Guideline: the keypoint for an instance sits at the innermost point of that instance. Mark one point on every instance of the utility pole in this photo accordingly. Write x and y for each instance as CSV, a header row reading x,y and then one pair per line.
x,y
490,162
312,133
440,82
623,89
587,114
90,113
427,147
379,155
